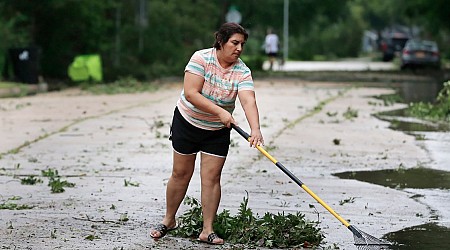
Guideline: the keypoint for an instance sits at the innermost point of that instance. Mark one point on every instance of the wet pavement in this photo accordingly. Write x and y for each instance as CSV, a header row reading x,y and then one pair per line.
x,y
429,181
102,142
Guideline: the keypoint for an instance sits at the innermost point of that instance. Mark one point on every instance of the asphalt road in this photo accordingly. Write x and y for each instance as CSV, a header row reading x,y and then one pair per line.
x,y
101,142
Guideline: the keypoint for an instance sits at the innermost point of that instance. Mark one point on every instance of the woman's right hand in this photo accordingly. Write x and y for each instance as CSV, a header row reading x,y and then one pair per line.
x,y
226,118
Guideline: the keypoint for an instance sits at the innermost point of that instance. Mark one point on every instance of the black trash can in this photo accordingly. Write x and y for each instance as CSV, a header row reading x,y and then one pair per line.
x,y
25,64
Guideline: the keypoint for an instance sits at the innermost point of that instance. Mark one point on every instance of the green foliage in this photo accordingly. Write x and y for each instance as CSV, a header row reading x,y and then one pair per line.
x,y
391,99
13,31
350,113
130,183
30,180
57,186
349,200
14,206
271,230
49,173
329,30
8,205
255,62
8,85
14,89
55,183
156,39
191,222
438,111
92,237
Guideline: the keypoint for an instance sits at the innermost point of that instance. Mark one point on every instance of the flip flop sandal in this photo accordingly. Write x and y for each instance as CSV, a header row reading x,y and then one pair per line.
x,y
210,239
162,229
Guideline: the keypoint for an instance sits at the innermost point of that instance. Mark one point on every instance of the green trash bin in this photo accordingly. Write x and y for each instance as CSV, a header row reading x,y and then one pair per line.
x,y
86,68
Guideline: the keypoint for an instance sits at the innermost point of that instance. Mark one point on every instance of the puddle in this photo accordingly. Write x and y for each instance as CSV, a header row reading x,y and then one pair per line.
x,y
400,122
417,126
425,237
422,178
432,182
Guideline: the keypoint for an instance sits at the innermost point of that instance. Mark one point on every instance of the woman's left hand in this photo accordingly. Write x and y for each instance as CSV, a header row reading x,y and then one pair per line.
x,y
256,138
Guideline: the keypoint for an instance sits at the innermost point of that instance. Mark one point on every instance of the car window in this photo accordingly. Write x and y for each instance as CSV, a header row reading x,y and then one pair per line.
x,y
422,45
430,45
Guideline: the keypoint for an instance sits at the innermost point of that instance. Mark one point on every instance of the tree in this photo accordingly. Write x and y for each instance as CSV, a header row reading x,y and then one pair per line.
x,y
154,38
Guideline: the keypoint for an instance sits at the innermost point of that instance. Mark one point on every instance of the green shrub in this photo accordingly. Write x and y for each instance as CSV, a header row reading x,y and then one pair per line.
x,y
437,111
254,62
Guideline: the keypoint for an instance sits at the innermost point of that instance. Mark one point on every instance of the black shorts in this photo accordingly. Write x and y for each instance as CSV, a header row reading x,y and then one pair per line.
x,y
188,139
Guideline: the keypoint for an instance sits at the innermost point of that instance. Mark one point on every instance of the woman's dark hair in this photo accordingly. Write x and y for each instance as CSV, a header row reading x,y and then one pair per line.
x,y
226,31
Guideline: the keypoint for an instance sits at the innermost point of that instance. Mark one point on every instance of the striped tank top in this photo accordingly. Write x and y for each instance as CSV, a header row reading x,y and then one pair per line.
x,y
221,87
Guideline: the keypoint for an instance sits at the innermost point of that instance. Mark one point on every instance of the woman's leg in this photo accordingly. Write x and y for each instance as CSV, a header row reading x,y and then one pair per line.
x,y
210,172
183,168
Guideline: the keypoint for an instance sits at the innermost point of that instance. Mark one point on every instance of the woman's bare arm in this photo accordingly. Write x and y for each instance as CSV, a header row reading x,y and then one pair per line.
x,y
193,85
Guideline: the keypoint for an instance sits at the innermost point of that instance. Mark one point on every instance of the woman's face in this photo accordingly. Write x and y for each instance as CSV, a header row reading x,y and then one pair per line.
x,y
233,48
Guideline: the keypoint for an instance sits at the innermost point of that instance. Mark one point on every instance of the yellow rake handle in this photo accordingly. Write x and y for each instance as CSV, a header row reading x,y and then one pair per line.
x,y
293,177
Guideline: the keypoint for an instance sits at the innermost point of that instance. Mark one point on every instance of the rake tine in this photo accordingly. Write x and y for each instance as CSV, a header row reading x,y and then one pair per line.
x,y
362,239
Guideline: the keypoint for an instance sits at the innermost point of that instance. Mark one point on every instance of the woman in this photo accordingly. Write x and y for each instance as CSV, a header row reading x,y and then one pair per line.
x,y
202,121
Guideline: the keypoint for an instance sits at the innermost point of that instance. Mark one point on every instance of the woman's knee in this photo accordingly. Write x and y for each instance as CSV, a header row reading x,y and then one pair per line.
x,y
182,175
183,167
210,180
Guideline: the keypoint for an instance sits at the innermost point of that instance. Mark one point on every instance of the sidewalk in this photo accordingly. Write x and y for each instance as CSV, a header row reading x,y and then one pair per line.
x,y
100,142
308,66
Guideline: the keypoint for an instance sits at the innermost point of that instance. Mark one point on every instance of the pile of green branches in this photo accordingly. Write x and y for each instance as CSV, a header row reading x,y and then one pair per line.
x,y
272,230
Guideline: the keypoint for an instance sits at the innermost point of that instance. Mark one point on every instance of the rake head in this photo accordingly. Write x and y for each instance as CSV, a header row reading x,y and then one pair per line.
x,y
365,241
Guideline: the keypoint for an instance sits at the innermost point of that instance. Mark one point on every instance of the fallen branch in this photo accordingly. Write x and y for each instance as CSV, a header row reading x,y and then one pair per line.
x,y
96,221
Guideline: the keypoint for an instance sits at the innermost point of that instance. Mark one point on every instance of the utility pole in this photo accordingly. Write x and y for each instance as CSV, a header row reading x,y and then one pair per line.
x,y
286,31
117,42
142,22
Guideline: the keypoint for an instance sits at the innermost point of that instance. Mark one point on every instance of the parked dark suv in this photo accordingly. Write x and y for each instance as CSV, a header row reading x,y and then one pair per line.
x,y
392,43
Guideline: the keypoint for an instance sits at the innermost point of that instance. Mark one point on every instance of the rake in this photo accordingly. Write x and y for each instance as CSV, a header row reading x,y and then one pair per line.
x,y
363,241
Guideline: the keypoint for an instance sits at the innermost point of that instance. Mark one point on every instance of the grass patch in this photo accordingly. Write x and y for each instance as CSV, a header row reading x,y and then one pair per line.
x,y
121,86
7,85
245,228
10,89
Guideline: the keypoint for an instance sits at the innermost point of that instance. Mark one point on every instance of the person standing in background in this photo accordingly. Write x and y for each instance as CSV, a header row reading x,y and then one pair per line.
x,y
271,44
